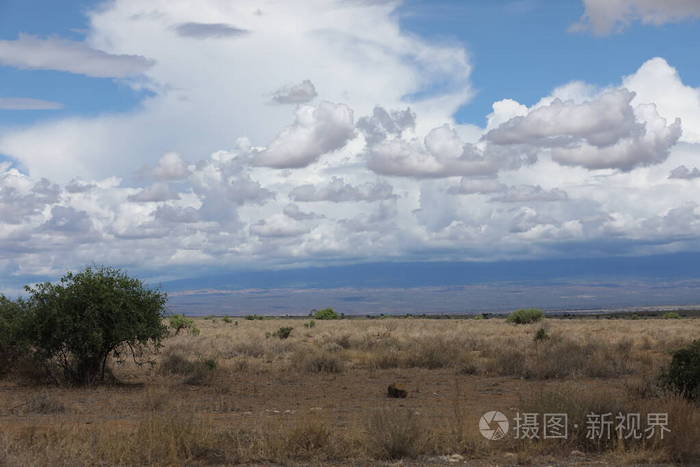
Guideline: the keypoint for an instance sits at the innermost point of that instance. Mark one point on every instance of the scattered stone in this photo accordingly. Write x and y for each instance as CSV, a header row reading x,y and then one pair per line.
x,y
454,458
510,455
577,453
395,391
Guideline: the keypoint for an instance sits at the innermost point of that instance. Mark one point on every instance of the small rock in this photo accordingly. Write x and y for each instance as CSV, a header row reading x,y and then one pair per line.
x,y
510,455
577,453
455,458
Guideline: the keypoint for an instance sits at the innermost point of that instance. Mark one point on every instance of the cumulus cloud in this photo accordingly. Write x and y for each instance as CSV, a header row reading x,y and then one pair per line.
x,y
383,124
656,82
171,167
337,191
441,154
297,94
155,193
317,130
606,16
529,193
606,132
27,103
21,197
223,184
209,30
79,186
32,52
684,173
469,186
277,227
68,220
294,211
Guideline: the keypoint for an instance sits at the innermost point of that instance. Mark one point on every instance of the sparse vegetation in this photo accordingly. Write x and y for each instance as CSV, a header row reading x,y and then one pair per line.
x,y
313,397
671,315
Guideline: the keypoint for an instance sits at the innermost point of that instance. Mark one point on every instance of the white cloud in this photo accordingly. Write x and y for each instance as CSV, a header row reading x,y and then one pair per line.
x,y
529,193
31,52
441,154
278,227
27,103
297,94
606,132
316,131
469,186
171,167
209,30
606,16
154,193
684,173
294,211
337,191
656,82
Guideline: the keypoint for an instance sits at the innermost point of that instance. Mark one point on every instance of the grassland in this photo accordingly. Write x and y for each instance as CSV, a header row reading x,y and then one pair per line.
x,y
238,394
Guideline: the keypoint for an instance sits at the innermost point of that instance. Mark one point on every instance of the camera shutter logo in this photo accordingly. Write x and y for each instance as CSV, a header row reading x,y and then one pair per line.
x,y
493,425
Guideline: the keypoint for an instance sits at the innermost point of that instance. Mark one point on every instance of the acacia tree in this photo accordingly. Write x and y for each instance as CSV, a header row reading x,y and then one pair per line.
x,y
86,317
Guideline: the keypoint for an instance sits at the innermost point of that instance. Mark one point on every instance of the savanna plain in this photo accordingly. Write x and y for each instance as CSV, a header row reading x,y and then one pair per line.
x,y
227,391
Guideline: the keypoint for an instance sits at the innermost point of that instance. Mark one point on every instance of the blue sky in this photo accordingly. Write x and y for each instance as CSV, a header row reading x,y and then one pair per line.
x,y
178,140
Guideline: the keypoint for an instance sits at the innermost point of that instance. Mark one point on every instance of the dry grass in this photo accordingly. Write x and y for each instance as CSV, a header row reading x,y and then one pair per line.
x,y
318,397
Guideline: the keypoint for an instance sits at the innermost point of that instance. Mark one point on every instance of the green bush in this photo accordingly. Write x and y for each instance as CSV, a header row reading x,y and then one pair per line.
x,y
525,316
310,324
181,323
671,315
253,317
326,313
683,374
227,320
85,318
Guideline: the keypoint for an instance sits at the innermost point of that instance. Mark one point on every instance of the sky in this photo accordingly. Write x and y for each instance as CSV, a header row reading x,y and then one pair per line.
x,y
181,139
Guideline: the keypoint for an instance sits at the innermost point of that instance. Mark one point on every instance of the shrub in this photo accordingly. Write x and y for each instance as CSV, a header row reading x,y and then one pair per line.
x,y
541,335
283,332
525,316
180,322
12,345
227,320
326,313
671,315
317,362
394,434
85,318
310,324
253,317
683,374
